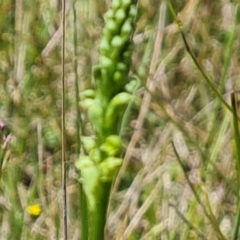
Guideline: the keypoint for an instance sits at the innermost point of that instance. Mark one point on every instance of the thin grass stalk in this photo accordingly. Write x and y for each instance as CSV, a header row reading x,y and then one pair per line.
x,y
237,143
196,195
188,223
215,147
76,79
63,131
213,220
236,224
236,135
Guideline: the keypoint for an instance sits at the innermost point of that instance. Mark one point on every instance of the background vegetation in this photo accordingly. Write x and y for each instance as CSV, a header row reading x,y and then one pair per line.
x,y
179,179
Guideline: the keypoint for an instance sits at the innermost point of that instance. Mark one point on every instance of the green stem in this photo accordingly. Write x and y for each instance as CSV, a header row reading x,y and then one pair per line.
x,y
236,135
84,213
236,224
98,217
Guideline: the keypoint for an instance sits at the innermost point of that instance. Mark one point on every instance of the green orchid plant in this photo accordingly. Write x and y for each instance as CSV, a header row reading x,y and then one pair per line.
x,y
105,107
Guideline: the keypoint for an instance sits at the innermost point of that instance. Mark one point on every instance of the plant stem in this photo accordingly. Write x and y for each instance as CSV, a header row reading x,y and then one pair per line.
x,y
98,217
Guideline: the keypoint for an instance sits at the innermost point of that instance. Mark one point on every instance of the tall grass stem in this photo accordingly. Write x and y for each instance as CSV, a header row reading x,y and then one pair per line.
x,y
63,131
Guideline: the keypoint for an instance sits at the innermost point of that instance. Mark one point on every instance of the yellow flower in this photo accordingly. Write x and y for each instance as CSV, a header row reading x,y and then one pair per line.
x,y
34,210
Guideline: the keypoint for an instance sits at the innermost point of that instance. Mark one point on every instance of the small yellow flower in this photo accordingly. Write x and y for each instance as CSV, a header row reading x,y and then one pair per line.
x,y
34,210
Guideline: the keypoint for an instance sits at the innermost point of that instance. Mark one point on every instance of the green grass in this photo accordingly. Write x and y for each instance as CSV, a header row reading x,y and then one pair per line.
x,y
180,176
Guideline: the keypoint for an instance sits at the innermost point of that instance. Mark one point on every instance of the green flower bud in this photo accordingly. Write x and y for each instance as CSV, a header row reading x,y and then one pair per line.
x,y
119,100
120,15
118,41
131,86
111,26
117,76
105,62
112,145
125,3
90,176
114,53
95,155
109,167
86,103
107,34
95,114
126,28
108,64
106,77
115,109
89,143
133,11
121,66
109,14
104,45
116,4
88,93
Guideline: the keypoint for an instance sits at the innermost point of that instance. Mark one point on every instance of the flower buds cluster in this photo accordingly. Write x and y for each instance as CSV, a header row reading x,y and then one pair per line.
x,y
100,164
116,48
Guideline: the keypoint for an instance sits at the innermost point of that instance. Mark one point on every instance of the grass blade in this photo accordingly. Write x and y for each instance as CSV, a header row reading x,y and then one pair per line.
x,y
237,143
